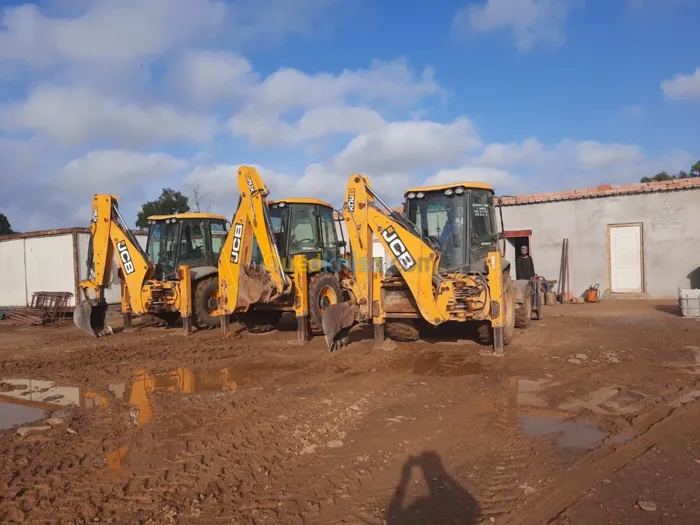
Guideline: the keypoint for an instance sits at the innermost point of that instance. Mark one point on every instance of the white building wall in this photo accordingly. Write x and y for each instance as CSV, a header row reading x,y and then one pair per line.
x,y
671,238
13,281
46,263
49,264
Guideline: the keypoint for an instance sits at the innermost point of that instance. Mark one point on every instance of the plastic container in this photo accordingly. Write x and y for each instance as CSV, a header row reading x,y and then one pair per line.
x,y
689,301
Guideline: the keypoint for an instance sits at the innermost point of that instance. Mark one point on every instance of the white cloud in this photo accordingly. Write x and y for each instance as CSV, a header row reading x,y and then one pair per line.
x,y
594,155
315,123
577,164
329,103
219,185
471,173
110,30
409,145
683,86
110,170
531,22
583,155
207,76
75,116
120,31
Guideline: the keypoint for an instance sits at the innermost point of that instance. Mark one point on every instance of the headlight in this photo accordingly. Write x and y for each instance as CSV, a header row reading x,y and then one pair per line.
x,y
449,191
411,195
282,204
420,195
459,190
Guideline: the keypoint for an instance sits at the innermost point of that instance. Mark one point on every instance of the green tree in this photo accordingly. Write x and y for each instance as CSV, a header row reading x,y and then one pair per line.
x,y
169,202
5,227
662,175
695,170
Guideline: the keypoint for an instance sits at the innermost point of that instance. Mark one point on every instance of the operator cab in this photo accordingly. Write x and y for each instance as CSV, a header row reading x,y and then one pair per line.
x,y
190,239
302,226
459,218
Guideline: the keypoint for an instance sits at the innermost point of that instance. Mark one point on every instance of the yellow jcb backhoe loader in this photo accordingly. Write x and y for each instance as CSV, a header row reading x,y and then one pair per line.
x,y
176,276
280,256
447,265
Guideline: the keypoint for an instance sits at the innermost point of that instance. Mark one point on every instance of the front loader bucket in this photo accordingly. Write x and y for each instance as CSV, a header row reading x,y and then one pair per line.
x,y
90,318
336,321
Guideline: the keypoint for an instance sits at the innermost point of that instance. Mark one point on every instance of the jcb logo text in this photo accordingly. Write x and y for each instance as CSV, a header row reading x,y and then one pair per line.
x,y
351,201
237,240
125,256
398,248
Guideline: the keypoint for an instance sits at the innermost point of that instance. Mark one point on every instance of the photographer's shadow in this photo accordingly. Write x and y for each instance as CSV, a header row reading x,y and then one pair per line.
x,y
447,502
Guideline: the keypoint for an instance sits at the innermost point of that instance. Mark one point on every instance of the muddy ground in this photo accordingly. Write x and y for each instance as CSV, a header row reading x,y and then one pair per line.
x,y
593,416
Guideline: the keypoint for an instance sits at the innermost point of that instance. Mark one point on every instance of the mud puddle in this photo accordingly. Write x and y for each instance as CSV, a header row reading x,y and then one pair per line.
x,y
143,383
571,433
23,401
439,364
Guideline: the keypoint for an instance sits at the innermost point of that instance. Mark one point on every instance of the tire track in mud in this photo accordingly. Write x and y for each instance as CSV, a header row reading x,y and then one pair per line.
x,y
647,431
501,491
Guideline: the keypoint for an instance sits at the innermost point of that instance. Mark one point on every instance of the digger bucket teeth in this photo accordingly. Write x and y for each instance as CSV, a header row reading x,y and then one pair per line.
x,y
90,318
336,321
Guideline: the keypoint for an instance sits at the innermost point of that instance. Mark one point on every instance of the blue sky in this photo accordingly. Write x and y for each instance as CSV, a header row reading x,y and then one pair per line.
x,y
129,96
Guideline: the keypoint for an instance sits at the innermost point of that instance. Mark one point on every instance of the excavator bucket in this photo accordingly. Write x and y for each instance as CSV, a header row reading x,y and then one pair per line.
x,y
90,318
336,321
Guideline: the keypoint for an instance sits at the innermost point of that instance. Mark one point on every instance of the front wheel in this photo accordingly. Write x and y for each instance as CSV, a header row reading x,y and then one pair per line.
x,y
204,303
324,290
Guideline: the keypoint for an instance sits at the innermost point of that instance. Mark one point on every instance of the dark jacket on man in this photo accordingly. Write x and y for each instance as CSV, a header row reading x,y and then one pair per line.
x,y
524,267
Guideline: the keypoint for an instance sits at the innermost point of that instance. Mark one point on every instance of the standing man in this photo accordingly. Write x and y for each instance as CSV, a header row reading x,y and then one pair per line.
x,y
524,266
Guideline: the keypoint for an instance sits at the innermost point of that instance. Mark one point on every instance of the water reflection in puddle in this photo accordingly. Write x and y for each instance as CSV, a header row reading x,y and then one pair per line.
x,y
572,433
26,400
181,380
178,380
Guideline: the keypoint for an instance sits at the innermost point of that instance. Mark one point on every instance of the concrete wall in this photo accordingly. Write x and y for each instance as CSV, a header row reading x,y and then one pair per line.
x,y
671,238
46,263
13,286
49,264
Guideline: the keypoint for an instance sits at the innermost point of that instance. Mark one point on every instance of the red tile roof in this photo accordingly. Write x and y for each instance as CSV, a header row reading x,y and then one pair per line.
x,y
605,190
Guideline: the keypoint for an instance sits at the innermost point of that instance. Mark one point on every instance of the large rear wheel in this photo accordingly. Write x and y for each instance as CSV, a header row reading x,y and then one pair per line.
x,y
402,330
324,290
204,303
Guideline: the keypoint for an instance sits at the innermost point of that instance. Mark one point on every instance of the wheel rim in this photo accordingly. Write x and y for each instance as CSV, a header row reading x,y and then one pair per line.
x,y
211,304
326,298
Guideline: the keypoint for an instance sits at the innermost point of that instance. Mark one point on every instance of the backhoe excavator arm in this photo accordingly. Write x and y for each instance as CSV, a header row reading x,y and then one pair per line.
x,y
415,259
237,290
109,234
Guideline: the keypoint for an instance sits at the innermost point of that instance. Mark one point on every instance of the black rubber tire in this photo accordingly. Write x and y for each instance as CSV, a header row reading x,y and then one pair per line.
x,y
402,330
257,322
485,332
317,284
161,319
202,304
523,312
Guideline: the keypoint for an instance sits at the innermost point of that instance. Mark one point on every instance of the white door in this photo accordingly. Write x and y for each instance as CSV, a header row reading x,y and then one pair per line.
x,y
626,258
